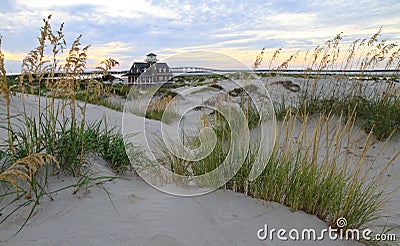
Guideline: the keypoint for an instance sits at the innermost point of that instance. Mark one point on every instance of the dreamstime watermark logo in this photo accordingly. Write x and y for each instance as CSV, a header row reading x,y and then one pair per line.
x,y
189,112
339,233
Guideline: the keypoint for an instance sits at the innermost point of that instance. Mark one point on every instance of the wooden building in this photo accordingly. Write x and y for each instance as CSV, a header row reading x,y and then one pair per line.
x,y
149,72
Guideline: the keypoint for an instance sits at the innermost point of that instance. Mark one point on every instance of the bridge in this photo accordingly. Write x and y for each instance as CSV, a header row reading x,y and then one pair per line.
x,y
193,70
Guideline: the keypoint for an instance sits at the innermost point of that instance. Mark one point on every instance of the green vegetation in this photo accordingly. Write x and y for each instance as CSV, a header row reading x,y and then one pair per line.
x,y
303,174
378,113
56,137
157,109
308,169
373,98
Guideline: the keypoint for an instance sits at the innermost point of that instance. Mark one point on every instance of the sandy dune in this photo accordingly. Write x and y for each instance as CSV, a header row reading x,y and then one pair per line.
x,y
137,214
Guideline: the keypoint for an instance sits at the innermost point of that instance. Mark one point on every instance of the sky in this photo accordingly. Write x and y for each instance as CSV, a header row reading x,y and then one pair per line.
x,y
128,30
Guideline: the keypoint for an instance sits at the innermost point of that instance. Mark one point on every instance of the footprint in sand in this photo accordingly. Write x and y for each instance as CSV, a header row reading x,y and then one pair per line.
x,y
131,198
288,85
163,240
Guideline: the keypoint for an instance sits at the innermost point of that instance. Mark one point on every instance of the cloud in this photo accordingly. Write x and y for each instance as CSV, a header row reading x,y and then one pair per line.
x,y
99,52
127,30
118,8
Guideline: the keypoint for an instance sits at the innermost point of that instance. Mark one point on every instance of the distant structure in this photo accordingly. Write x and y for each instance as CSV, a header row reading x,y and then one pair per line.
x,y
149,72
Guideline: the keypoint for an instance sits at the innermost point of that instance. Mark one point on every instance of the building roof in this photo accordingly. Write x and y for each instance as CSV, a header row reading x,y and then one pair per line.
x,y
142,66
151,54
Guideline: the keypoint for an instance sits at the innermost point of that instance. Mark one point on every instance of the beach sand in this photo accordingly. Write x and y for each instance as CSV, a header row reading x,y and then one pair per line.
x,y
128,211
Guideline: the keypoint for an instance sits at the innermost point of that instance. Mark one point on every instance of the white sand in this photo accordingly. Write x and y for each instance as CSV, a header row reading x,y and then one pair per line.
x,y
145,216
142,215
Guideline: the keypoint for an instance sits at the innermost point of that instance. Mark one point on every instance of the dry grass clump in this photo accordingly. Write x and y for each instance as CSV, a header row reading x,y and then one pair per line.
x,y
374,98
157,109
318,164
25,169
5,91
57,134
308,169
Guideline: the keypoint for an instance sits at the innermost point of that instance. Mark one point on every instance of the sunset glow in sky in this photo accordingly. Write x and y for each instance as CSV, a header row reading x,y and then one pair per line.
x,y
128,30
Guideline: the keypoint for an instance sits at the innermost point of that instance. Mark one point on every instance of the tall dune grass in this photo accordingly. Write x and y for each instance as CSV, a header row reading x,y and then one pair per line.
x,y
319,164
374,98
56,137
307,171
313,174
336,183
